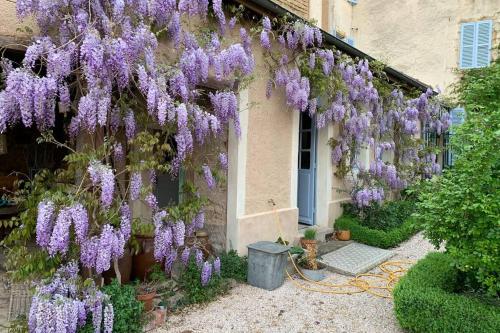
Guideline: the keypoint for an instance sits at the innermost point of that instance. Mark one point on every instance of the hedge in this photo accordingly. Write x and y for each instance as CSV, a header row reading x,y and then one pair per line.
x,y
424,301
375,237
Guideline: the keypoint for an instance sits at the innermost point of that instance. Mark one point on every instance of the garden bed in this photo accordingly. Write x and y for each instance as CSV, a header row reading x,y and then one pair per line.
x,y
376,237
425,300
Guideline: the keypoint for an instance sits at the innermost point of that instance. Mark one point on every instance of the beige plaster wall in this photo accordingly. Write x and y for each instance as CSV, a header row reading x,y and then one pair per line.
x,y
267,226
216,210
340,12
269,147
340,190
9,23
420,37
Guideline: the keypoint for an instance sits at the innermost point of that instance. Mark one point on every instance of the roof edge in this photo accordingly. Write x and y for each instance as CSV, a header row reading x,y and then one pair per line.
x,y
392,73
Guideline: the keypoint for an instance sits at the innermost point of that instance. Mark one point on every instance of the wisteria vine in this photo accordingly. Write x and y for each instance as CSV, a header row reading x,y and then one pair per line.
x,y
333,88
98,63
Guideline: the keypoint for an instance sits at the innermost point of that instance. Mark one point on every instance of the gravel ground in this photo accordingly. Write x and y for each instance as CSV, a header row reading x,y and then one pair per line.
x,y
290,309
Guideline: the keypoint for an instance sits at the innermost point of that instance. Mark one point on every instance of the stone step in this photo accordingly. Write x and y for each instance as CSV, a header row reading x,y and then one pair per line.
x,y
331,245
321,233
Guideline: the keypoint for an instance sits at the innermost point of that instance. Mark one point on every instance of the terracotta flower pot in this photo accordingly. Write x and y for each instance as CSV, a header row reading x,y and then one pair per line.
x,y
147,300
160,315
343,235
305,243
143,261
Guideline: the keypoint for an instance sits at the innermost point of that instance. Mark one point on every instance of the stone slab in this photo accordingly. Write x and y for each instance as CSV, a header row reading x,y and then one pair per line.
x,y
355,259
330,246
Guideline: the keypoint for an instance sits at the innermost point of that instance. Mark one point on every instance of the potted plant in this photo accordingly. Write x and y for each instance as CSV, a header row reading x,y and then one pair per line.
x,y
146,292
309,266
309,238
343,234
142,243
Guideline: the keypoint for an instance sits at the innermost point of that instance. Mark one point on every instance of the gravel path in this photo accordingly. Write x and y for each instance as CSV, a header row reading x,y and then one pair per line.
x,y
290,309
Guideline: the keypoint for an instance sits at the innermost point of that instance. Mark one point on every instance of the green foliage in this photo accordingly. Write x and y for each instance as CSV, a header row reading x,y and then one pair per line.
x,y
156,274
375,237
462,208
234,266
190,282
127,309
23,263
296,250
310,234
383,217
425,301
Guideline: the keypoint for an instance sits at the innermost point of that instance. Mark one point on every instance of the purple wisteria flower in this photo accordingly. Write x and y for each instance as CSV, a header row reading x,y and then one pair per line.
x,y
63,303
266,23
179,231
44,223
151,201
107,187
217,266
209,179
59,240
80,219
219,14
126,219
185,255
223,161
198,255
264,40
206,273
135,185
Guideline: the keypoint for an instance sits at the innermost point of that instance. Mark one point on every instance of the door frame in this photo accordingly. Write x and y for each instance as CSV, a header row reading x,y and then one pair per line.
x,y
314,166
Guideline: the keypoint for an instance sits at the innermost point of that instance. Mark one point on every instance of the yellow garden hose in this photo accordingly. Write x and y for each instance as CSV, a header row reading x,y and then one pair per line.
x,y
391,272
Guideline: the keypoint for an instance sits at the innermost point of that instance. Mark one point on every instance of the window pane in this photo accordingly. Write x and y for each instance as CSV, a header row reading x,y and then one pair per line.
x,y
306,121
305,160
306,140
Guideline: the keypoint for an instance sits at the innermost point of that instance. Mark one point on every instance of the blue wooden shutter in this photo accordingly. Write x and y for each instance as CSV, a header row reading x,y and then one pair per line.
x,y
483,43
467,45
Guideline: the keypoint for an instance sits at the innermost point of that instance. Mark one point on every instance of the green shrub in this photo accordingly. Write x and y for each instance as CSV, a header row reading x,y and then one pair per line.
x,y
375,237
190,282
383,217
127,309
234,266
462,208
425,300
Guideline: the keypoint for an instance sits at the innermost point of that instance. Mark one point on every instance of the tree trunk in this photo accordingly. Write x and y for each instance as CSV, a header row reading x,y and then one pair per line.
x,y
117,271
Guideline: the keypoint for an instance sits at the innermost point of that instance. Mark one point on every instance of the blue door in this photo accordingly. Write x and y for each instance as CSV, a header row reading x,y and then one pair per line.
x,y
306,196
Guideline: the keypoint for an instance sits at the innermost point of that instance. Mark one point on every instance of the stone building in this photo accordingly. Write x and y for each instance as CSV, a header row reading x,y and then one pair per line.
x,y
267,193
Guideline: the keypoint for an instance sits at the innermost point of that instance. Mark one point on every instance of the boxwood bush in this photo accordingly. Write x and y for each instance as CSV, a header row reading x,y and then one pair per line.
x,y
375,237
387,216
461,209
425,300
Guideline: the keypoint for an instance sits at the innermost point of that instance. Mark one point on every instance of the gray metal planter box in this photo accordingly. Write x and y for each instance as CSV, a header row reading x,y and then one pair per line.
x,y
266,264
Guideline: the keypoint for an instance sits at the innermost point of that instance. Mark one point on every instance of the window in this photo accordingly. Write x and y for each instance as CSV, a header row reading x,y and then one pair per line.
x,y
475,44
429,136
349,40
457,118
